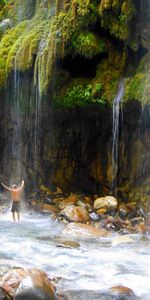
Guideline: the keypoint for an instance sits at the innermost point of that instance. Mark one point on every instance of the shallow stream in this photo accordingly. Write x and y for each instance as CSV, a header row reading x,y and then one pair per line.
x,y
97,264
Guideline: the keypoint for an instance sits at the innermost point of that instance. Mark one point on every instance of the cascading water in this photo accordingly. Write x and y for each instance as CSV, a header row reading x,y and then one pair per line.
x,y
115,134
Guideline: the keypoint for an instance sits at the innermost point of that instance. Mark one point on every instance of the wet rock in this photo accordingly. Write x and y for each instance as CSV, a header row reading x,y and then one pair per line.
x,y
21,284
48,200
84,295
141,228
136,221
35,286
45,189
94,216
76,214
48,208
84,230
122,292
68,244
2,295
147,221
70,200
115,223
143,212
114,294
123,211
107,201
81,204
123,239
144,239
102,211
59,190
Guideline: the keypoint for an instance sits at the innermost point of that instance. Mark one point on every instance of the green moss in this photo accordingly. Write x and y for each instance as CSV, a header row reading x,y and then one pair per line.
x,y
87,44
137,88
109,72
35,43
6,45
116,16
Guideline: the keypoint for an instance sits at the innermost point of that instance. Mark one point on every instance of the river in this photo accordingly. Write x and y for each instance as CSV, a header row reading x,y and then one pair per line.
x,y
97,264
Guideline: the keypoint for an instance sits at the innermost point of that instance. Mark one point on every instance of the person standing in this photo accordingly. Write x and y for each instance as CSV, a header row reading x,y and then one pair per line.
x,y
15,195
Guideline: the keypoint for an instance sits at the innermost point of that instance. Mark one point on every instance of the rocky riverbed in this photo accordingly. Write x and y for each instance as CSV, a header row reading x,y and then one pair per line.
x,y
89,247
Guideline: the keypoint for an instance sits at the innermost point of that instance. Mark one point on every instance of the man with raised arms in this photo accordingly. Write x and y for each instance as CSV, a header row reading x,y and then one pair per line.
x,y
15,195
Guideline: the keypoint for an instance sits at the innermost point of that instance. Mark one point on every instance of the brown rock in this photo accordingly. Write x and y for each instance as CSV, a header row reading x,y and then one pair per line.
x,y
107,201
27,284
45,189
59,190
121,290
84,230
141,228
102,211
76,213
68,244
72,199
48,208
122,239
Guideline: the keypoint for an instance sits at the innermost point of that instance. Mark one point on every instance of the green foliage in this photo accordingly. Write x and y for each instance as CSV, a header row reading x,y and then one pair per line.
x,y
87,44
81,96
3,2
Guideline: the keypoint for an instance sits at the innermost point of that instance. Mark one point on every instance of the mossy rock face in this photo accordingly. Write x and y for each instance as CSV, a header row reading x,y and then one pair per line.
x,y
137,86
116,16
45,31
88,44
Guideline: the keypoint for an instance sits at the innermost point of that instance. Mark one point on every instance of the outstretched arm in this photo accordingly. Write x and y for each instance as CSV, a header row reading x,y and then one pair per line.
x,y
6,187
21,186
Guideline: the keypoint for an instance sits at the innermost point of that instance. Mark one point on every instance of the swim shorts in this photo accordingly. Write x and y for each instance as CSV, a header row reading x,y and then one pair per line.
x,y
15,206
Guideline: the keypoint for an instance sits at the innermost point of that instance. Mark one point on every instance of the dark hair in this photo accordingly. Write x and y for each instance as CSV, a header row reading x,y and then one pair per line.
x,y
14,186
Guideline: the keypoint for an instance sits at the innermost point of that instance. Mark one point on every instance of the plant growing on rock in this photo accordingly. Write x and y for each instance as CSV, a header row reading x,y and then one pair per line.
x,y
81,96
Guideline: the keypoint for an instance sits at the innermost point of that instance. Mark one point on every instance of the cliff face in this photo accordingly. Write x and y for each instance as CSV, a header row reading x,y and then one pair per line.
x,y
61,61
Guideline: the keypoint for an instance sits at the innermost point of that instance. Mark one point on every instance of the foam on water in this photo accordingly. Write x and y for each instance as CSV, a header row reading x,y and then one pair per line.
x,y
97,264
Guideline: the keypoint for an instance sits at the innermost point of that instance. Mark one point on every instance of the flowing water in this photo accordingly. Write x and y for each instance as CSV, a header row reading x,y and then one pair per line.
x,y
97,264
115,133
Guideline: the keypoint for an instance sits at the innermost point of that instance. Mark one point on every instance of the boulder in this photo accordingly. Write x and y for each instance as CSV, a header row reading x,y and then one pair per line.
x,y
122,291
48,208
108,201
35,286
68,244
22,284
76,214
71,199
84,230
122,239
45,189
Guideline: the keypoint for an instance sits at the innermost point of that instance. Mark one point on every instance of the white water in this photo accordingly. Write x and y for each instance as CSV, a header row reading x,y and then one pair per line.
x,y
115,133
96,265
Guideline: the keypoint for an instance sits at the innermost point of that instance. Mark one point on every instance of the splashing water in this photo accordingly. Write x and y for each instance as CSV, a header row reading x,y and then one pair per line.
x,y
97,264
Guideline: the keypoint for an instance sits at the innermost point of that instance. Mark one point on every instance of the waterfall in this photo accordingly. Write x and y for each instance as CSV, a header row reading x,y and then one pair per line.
x,y
115,133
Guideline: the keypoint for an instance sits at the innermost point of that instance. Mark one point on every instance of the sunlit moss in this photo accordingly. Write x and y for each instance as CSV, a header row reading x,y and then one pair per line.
x,y
51,32
116,16
108,74
6,45
88,44
137,88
